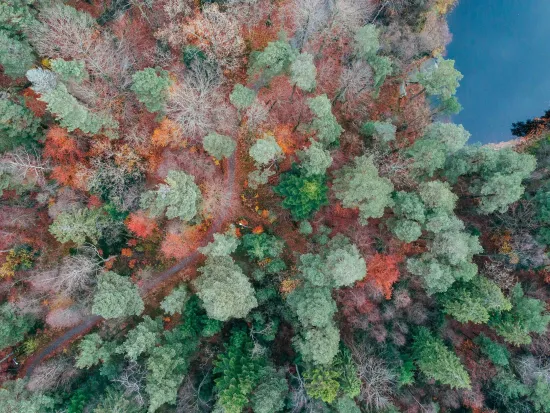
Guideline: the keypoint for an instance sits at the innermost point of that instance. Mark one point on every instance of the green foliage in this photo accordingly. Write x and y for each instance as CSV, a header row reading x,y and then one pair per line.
x,y
382,66
360,186
304,195
116,296
219,146
508,387
313,306
324,123
223,244
224,289
497,353
67,70
179,198
270,395
258,177
439,141
366,43
114,401
437,362
540,397
437,196
406,230
92,350
318,345
273,60
315,159
242,97
305,228
13,326
141,339
474,301
237,373
265,151
72,114
16,56
410,214
151,88
343,262
303,72
322,383
349,380
381,131
495,176
528,315
78,226
346,405
442,79
18,125
14,397
16,15
175,301
262,246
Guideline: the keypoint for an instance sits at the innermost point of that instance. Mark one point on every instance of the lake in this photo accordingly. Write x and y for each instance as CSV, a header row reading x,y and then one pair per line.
x,y
502,47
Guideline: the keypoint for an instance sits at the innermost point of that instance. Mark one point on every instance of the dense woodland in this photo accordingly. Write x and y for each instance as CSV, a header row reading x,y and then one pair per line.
x,y
261,206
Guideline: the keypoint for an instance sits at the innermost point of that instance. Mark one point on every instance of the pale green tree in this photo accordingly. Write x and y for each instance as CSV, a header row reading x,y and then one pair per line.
x,y
303,72
381,131
223,244
442,79
14,397
437,195
269,396
116,296
18,125
142,338
69,70
318,345
224,289
219,146
359,186
437,362
16,56
265,150
324,123
366,41
315,159
273,60
259,177
383,67
92,350
314,306
13,326
242,97
179,198
343,262
151,88
175,301
346,405
474,300
78,226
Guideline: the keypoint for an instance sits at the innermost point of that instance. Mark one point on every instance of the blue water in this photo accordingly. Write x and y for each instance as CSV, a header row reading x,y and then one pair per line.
x,y
502,47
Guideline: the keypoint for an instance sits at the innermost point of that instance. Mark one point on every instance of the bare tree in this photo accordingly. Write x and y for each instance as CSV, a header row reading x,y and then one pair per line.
x,y
51,375
24,166
132,380
354,80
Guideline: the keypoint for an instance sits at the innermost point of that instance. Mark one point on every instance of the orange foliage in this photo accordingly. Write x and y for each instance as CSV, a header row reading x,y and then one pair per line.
x,y
179,246
168,133
141,225
31,101
258,230
382,269
287,139
61,147
126,252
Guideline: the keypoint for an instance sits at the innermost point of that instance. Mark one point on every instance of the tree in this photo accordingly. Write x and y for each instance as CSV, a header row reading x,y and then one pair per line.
x,y
322,383
179,198
13,326
265,150
141,225
151,88
219,146
303,72
441,79
92,350
318,345
497,353
223,244
262,246
437,196
43,81
346,405
237,373
303,195
242,97
224,289
175,301
69,70
383,270
78,226
437,362
141,339
116,296
381,131
313,306
360,186
343,262
16,56
366,43
18,126
14,397
270,394
324,123
315,159
474,301
382,66
273,60
528,315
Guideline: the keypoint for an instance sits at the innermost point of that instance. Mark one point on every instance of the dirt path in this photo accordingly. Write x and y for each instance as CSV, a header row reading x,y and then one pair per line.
x,y
155,281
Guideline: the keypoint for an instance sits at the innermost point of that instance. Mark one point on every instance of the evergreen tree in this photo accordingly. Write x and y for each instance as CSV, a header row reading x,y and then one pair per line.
x,y
13,326
69,70
175,301
324,123
442,79
270,394
315,159
151,88
78,226
242,97
141,339
14,397
16,56
219,146
303,72
265,151
116,296
18,126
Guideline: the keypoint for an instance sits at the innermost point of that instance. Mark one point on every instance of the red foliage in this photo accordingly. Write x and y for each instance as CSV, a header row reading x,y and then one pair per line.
x,y
31,101
141,225
179,246
383,270
61,147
